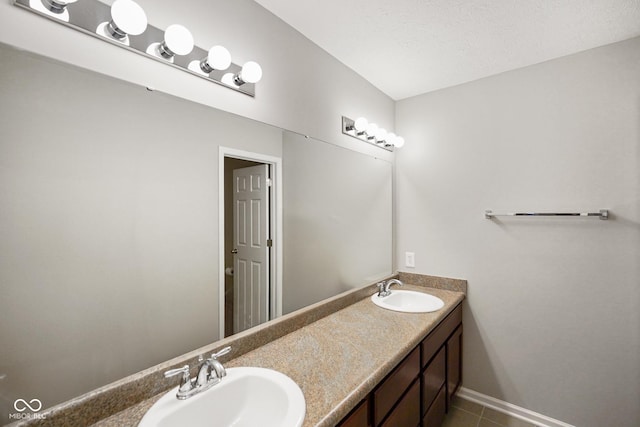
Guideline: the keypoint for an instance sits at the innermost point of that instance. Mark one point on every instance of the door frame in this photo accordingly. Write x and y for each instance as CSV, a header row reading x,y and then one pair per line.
x,y
276,220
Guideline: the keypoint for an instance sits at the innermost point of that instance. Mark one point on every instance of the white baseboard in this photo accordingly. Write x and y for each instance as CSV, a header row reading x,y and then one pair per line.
x,y
510,409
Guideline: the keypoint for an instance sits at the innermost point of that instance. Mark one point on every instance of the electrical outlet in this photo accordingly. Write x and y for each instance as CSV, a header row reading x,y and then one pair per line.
x,y
410,259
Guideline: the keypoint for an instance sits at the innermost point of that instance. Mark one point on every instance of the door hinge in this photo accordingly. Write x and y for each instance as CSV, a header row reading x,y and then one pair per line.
x,y
269,243
269,182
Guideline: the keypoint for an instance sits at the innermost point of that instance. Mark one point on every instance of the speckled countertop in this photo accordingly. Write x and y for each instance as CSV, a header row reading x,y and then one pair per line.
x,y
338,359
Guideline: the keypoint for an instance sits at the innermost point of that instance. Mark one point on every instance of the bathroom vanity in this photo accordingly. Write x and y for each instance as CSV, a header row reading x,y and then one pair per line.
x,y
421,386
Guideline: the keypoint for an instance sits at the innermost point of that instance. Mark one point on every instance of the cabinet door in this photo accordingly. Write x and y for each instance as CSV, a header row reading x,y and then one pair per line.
x,y
407,413
454,364
433,378
359,417
435,414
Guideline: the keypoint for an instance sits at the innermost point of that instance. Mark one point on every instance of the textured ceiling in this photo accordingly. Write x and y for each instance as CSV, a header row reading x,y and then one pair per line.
x,y
409,47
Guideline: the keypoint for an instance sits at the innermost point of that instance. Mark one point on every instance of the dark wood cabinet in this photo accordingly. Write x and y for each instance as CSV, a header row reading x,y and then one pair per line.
x,y
435,415
359,417
407,413
438,337
418,392
392,388
434,378
454,364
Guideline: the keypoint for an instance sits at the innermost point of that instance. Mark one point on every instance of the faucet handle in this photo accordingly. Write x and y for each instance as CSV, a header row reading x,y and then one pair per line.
x,y
221,352
185,383
173,372
382,292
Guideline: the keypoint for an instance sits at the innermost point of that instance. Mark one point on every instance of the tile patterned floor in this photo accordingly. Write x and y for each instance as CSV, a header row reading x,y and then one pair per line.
x,y
469,414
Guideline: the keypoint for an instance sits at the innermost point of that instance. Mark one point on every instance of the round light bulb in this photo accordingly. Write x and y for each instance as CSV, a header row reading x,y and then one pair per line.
x,y
372,128
399,142
381,134
129,17
390,137
251,72
178,39
360,124
219,58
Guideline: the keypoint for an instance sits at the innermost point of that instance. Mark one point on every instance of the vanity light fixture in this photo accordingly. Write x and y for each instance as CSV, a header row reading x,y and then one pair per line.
x,y
54,8
124,24
127,17
361,129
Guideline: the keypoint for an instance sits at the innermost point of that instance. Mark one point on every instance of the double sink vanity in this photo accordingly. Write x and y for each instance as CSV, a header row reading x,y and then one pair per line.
x,y
347,361
338,351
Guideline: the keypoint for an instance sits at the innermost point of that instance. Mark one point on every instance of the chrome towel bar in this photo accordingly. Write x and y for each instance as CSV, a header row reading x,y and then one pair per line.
x,y
602,214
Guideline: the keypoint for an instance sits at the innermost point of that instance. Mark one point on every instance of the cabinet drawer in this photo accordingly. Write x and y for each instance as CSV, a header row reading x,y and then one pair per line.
x,y
439,335
388,393
359,417
435,414
433,378
407,413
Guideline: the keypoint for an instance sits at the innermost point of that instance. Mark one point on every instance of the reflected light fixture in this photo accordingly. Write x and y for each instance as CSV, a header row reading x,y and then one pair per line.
x,y
177,41
251,73
54,8
127,17
124,23
358,127
363,130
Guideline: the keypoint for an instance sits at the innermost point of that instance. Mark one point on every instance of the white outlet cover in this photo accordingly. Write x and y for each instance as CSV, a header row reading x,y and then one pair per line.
x,y
410,259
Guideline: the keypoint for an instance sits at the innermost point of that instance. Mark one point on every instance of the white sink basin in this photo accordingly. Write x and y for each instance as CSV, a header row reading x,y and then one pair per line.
x,y
408,301
246,397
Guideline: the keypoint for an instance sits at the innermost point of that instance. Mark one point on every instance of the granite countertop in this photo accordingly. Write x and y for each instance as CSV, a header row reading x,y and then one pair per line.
x,y
337,360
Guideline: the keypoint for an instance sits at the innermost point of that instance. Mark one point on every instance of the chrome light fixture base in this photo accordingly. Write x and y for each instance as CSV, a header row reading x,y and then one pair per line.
x,y
86,15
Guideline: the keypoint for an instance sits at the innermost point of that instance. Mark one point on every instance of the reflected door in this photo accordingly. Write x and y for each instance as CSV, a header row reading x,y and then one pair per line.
x,y
251,249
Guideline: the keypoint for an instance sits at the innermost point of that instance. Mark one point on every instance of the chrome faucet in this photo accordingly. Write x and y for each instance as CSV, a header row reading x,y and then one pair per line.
x,y
384,287
210,373
212,369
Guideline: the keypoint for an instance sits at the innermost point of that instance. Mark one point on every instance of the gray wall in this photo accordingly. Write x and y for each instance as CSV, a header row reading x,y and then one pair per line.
x,y
108,226
552,322
304,89
337,220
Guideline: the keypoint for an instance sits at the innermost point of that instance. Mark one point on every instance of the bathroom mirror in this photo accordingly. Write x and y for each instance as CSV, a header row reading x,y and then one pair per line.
x,y
109,225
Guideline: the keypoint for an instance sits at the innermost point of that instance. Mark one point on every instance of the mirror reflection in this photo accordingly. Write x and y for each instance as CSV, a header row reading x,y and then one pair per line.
x,y
110,236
